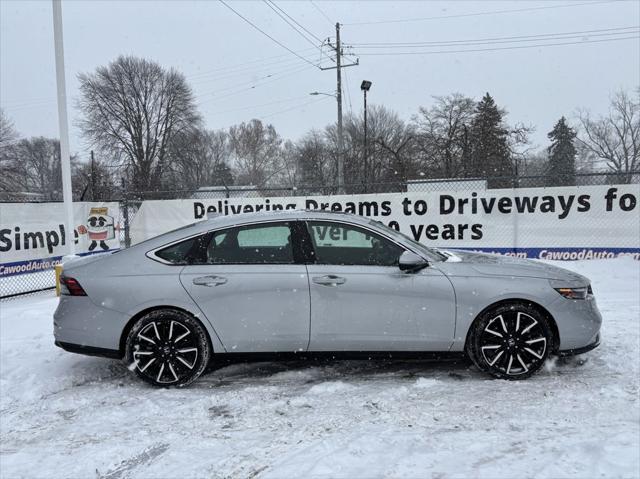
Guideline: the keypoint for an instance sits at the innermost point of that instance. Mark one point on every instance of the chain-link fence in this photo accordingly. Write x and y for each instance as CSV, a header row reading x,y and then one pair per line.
x,y
412,185
42,277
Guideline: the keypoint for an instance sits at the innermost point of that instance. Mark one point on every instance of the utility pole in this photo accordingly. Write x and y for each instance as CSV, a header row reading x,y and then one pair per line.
x,y
339,98
339,66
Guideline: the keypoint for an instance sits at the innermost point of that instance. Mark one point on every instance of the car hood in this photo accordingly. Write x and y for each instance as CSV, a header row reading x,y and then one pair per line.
x,y
498,265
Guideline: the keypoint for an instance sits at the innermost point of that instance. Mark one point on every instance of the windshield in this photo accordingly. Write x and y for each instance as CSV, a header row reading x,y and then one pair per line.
x,y
432,254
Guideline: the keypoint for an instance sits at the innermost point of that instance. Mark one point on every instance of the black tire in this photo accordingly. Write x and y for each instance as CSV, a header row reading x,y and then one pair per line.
x,y
511,341
168,348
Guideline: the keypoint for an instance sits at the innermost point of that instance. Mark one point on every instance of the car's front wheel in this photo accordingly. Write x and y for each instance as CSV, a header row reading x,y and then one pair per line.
x,y
511,341
167,347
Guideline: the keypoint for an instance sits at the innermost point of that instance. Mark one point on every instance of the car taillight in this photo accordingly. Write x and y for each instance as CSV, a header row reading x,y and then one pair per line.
x,y
71,287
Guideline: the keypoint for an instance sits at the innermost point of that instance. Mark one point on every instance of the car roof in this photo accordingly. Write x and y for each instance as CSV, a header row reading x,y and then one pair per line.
x,y
285,215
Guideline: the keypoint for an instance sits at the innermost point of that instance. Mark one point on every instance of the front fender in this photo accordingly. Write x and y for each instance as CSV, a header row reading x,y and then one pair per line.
x,y
475,294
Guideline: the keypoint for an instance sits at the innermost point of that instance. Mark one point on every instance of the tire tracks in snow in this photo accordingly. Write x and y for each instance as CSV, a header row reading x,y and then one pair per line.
x,y
128,465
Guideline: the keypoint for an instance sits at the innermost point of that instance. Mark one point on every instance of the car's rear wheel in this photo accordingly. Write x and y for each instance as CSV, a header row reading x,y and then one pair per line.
x,y
168,348
511,341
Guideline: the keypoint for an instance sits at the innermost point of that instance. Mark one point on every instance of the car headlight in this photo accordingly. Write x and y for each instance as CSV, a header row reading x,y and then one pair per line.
x,y
575,293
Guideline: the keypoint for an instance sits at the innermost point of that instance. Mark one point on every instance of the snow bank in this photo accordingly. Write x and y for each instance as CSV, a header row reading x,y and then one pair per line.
x,y
64,415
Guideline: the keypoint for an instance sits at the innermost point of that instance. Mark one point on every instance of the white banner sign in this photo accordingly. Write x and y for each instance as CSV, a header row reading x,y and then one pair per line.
x,y
581,222
33,235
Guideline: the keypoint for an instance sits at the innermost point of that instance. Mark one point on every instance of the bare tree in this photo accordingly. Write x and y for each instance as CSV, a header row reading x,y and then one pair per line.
x,y
316,162
8,133
256,150
615,137
36,167
200,158
586,160
442,134
93,181
394,143
389,156
289,174
131,109
8,167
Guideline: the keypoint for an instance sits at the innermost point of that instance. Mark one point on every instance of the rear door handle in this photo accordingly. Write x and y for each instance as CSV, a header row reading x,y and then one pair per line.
x,y
329,280
210,281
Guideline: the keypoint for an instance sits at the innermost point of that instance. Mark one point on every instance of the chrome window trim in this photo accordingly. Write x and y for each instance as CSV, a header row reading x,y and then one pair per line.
x,y
373,230
151,254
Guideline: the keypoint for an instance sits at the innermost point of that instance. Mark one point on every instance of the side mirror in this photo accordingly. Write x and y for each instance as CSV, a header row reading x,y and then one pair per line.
x,y
410,261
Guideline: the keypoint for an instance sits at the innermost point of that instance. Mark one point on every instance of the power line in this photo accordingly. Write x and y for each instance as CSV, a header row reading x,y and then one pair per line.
x,y
512,39
252,87
249,65
321,12
248,73
498,48
295,21
290,69
272,7
278,112
41,104
251,107
295,107
289,65
346,81
267,35
6,101
477,14
610,35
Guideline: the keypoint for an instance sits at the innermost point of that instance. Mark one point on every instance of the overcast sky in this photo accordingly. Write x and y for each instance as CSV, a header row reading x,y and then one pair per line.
x,y
228,63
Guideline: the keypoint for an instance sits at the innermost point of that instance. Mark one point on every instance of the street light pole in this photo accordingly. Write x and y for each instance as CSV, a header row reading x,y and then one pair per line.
x,y
365,88
366,152
63,124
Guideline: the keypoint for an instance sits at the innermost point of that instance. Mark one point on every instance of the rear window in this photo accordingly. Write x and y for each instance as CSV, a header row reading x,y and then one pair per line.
x,y
178,253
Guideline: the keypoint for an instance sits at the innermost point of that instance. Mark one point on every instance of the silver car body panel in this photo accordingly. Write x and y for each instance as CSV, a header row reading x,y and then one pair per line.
x,y
258,308
380,308
264,308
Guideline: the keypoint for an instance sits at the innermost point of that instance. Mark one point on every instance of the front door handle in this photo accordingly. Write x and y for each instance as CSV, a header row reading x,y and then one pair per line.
x,y
210,281
329,280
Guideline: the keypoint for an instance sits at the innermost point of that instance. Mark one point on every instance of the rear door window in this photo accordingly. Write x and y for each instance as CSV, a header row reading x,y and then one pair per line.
x,y
266,243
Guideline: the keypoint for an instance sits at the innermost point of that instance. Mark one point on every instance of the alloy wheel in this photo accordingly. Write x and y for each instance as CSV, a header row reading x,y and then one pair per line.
x,y
165,351
513,343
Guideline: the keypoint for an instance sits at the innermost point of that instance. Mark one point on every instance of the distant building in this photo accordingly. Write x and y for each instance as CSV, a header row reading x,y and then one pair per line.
x,y
459,184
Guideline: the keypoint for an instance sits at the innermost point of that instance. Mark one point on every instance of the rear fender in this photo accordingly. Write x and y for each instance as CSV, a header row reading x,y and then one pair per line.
x,y
190,308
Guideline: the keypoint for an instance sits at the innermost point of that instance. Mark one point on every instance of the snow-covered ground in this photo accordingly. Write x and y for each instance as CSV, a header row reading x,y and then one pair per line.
x,y
64,415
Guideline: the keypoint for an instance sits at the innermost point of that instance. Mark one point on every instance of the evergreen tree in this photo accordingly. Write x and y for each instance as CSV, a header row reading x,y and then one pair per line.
x,y
562,155
489,147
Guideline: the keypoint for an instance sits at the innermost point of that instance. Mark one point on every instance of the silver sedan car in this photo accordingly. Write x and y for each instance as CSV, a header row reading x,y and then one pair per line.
x,y
308,283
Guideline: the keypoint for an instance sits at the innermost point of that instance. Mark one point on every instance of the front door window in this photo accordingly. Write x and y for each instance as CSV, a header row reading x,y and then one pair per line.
x,y
344,244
